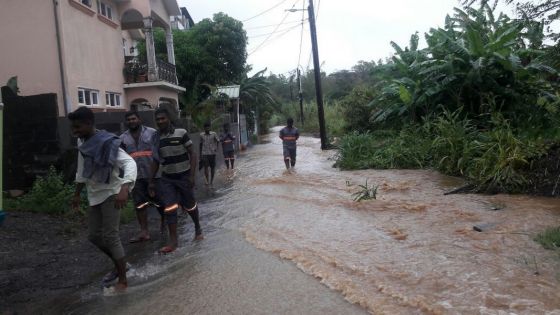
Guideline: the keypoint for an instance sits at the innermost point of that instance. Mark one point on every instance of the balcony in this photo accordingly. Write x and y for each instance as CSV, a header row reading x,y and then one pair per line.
x,y
136,71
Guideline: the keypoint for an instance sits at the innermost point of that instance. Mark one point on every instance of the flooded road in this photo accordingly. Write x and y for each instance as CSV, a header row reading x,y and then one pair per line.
x,y
411,251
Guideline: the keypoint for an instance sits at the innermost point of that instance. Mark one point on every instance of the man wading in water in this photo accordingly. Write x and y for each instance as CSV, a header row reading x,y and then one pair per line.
x,y
138,141
175,188
227,139
208,147
100,163
289,136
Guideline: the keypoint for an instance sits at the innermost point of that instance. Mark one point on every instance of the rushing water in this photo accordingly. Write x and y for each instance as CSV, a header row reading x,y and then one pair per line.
x,y
410,251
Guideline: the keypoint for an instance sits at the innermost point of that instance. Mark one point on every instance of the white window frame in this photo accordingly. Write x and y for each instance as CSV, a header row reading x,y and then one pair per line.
x,y
113,99
104,9
88,97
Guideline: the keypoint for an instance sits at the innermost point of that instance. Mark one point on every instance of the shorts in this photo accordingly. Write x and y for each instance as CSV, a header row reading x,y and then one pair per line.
x,y
141,194
208,160
289,153
174,191
229,155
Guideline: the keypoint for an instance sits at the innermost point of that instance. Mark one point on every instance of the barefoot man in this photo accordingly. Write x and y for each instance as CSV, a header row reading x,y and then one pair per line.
x,y
208,147
100,163
289,136
228,139
175,188
138,141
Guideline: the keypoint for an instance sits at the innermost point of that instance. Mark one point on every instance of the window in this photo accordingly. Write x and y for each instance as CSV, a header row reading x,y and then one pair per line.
x,y
86,3
113,99
105,10
88,97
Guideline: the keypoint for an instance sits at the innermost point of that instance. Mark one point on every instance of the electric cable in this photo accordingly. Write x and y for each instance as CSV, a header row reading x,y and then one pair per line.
x,y
278,31
265,11
270,25
275,29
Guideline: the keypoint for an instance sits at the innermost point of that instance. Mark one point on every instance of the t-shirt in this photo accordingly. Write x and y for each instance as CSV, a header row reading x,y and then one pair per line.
x,y
172,151
227,140
289,137
141,151
209,143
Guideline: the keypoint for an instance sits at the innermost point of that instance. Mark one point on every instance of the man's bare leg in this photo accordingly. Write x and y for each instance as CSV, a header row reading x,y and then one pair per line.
x,y
120,266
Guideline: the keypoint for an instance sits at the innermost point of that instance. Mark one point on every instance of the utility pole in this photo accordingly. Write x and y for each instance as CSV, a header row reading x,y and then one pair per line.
x,y
300,98
316,67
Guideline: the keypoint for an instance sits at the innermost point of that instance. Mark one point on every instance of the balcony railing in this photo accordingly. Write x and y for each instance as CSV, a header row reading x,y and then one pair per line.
x,y
166,71
137,71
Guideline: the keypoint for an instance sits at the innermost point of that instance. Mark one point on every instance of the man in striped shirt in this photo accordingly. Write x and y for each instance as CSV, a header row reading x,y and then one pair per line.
x,y
174,152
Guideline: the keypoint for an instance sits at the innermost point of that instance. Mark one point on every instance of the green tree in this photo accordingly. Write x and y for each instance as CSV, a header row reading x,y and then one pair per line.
x,y
213,52
255,93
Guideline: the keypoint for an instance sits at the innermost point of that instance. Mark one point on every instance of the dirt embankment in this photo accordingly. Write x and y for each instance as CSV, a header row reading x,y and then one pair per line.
x,y
46,258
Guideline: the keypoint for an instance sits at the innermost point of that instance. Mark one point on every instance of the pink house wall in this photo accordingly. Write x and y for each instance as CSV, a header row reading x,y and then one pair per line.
x,y
29,48
93,53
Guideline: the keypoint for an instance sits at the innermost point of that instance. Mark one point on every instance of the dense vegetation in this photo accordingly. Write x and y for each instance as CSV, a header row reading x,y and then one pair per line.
x,y
480,101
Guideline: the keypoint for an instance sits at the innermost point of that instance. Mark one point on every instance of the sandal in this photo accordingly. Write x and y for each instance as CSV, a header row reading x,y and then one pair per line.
x,y
166,250
113,275
139,239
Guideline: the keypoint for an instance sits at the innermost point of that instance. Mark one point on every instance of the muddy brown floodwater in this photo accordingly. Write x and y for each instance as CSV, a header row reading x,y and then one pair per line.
x,y
411,251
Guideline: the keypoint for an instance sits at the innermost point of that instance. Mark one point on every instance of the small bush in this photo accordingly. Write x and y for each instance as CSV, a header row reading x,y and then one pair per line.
x,y
128,213
366,192
550,238
49,194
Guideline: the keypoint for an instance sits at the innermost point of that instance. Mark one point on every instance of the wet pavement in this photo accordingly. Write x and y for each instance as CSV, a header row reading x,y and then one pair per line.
x,y
295,242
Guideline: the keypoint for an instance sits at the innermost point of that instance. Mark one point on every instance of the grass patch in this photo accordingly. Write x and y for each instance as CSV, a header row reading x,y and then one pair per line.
x,y
128,213
549,238
366,192
50,195
494,159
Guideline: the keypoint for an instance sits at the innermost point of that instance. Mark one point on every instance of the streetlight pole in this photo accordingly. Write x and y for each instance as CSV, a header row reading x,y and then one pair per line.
x,y
317,70
316,67
300,95
2,214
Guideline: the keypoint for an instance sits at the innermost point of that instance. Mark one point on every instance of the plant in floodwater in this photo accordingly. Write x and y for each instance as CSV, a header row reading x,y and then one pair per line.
x,y
549,238
366,192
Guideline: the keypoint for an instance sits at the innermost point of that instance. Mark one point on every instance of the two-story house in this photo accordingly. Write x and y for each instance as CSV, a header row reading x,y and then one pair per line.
x,y
82,51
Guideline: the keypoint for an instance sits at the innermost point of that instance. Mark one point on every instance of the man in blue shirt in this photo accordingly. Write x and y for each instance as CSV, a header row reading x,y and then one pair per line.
x,y
289,136
138,141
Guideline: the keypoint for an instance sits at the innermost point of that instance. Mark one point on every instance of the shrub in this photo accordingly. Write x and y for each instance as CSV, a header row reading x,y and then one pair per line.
x,y
49,194
550,238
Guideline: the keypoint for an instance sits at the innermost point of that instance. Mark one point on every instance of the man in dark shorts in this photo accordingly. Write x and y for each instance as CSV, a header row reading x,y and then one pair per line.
x,y
138,141
289,136
228,139
173,150
208,147
108,173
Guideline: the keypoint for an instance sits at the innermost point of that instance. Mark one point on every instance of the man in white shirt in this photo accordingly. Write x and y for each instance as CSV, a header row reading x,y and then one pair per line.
x,y
108,174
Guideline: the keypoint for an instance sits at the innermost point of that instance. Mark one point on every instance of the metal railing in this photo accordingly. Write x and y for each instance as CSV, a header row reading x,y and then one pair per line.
x,y
166,71
137,71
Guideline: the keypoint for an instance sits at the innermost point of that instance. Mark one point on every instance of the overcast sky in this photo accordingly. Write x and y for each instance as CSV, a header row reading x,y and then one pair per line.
x,y
348,31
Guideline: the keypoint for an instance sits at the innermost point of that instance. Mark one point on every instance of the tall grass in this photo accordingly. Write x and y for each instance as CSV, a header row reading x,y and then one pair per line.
x,y
495,159
334,118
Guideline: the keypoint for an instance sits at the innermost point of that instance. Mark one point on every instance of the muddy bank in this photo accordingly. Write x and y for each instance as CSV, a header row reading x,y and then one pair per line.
x,y
46,259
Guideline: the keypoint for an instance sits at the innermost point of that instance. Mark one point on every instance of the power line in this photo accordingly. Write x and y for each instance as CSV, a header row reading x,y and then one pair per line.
x,y
264,44
278,31
301,34
265,11
270,25
275,29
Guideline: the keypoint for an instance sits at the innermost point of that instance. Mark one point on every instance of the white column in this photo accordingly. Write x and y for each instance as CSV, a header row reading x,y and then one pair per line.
x,y
150,50
169,42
